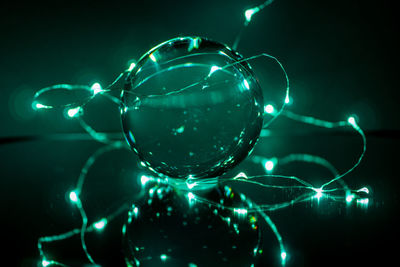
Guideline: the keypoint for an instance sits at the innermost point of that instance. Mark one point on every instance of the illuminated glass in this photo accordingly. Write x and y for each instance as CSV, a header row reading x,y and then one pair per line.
x,y
190,108
189,232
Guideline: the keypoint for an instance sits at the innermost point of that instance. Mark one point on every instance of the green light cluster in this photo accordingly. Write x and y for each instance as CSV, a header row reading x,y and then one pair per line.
x,y
342,193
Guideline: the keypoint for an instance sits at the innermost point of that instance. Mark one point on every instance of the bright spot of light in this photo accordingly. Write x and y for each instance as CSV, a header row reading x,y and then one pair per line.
x,y
349,198
163,257
246,84
364,189
269,109
319,193
191,196
73,196
213,69
351,120
269,165
72,112
39,106
249,13
240,175
283,256
96,88
288,100
131,66
240,211
45,263
363,201
190,185
100,225
144,179
152,57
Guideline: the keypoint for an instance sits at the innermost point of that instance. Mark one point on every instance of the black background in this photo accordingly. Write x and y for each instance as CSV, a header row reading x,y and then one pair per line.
x,y
341,57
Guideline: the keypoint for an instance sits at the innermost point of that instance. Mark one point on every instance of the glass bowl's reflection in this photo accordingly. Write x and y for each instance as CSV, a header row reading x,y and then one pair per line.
x,y
173,228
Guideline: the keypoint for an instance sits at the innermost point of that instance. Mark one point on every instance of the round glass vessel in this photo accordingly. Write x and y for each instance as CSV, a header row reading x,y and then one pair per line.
x,y
191,108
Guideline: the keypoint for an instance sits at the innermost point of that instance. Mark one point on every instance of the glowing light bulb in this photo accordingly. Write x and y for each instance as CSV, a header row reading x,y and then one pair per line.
x,y
269,109
73,196
73,112
136,211
283,256
319,193
351,120
246,84
100,225
269,165
249,13
145,179
96,88
45,263
131,66
349,198
288,100
153,58
39,106
163,257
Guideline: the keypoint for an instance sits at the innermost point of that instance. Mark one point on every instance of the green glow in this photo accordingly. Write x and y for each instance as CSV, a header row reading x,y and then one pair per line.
x,y
213,69
45,263
191,197
364,189
288,100
145,179
73,112
153,58
131,66
246,84
163,257
349,198
100,225
250,12
180,129
269,165
189,184
269,109
240,211
351,120
283,257
335,193
318,194
39,106
363,201
240,175
96,88
194,44
73,196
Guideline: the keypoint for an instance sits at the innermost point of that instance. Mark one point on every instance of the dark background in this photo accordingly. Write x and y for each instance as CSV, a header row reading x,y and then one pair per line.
x,y
341,57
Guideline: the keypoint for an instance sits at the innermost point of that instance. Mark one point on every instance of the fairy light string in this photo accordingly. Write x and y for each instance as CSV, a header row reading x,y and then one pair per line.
x,y
308,191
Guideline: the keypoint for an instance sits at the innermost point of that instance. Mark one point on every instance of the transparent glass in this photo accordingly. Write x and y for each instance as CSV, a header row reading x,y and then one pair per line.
x,y
174,228
191,109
